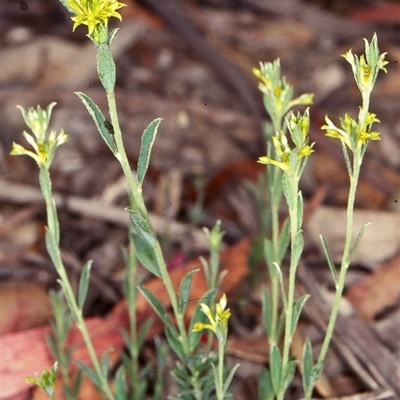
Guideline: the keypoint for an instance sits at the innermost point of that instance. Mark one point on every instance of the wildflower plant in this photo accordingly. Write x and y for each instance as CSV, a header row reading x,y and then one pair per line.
x,y
200,373
193,370
287,154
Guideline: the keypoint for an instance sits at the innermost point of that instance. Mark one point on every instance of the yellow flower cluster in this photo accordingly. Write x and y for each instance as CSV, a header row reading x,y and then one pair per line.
x,y
93,13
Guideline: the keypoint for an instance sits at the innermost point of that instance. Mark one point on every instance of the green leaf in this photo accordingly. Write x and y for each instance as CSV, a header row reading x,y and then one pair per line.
x,y
106,67
141,227
146,255
175,343
99,120
120,384
357,242
307,365
84,284
297,308
278,272
289,373
346,158
300,209
269,256
287,190
315,373
90,373
284,239
145,243
276,367
52,247
148,138
266,391
184,290
297,248
143,331
112,36
157,306
105,362
266,311
329,259
77,384
230,377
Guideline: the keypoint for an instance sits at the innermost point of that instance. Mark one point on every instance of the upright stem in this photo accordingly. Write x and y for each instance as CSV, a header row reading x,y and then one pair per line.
x,y
136,192
131,296
220,388
134,188
344,265
277,176
294,231
45,183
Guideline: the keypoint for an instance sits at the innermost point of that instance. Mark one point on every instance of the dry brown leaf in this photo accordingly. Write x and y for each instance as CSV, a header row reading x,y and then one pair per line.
x,y
378,291
23,305
380,241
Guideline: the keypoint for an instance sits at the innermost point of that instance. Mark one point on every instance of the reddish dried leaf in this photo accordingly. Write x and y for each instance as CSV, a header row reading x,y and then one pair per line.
x,y
379,13
24,305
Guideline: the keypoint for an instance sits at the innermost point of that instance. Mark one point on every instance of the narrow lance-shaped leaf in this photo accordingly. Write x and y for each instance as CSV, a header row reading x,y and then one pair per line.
x,y
157,306
300,210
175,343
84,284
106,132
346,158
329,259
284,239
276,367
145,242
306,365
288,374
148,138
230,377
297,248
141,226
297,308
120,384
90,373
184,290
356,243
105,362
266,391
281,284
106,67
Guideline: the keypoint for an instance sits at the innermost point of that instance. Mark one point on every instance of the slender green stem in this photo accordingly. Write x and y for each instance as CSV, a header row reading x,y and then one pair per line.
x,y
344,265
275,202
45,183
132,300
134,188
294,231
220,386
136,193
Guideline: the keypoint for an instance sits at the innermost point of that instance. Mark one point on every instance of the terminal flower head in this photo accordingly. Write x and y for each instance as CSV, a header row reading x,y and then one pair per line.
x,y
93,13
350,133
218,322
290,158
366,67
44,146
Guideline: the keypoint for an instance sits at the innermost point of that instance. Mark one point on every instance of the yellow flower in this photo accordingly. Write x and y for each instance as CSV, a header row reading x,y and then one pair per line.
x,y
43,144
92,13
218,322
